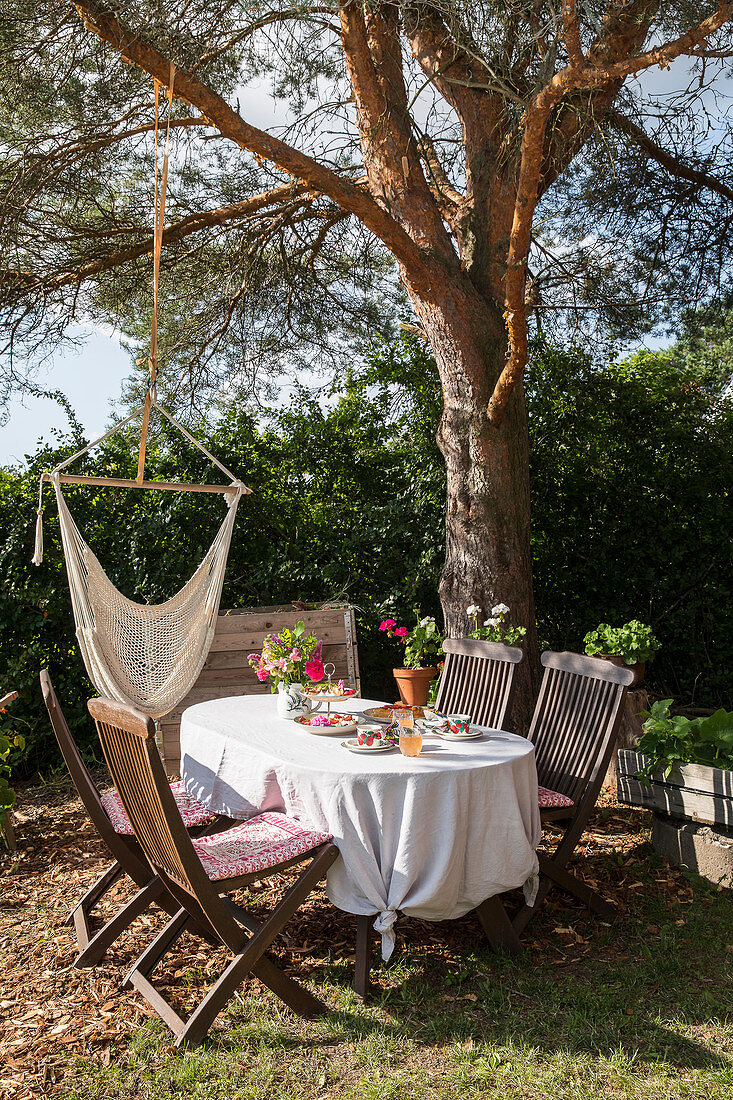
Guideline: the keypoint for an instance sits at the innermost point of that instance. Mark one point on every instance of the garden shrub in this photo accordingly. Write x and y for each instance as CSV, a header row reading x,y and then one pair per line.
x,y
630,474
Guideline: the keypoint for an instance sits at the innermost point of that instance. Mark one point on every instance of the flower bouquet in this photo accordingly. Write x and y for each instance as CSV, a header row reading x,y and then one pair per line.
x,y
290,657
289,660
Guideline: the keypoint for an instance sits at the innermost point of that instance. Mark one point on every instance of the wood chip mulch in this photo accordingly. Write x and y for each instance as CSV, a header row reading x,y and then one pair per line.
x,y
51,1013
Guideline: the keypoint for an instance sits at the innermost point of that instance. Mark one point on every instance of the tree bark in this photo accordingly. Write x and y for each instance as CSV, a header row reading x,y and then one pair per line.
x,y
488,555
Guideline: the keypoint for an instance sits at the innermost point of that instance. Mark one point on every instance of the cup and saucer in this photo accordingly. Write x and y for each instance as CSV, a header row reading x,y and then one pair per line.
x,y
369,739
457,727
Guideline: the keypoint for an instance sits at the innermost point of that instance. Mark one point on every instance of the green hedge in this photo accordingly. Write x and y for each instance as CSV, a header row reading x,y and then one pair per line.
x,y
631,466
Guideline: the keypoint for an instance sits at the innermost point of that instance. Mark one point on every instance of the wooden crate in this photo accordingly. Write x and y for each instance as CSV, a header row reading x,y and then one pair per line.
x,y
240,632
693,791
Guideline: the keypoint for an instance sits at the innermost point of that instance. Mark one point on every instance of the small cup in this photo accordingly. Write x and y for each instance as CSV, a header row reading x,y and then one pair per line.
x,y
368,738
459,725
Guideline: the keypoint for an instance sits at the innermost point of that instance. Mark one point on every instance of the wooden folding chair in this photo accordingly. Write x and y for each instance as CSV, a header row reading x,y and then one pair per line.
x,y
573,729
477,680
198,871
113,825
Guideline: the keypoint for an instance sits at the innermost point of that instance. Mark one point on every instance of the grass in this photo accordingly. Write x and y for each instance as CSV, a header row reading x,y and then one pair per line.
x,y
652,1022
640,1009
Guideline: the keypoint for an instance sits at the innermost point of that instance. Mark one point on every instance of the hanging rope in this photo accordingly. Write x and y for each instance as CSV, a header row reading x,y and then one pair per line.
x,y
146,655
52,475
158,222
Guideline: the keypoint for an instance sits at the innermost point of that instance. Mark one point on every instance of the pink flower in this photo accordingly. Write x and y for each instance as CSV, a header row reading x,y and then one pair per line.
x,y
316,656
296,655
401,632
261,675
282,663
253,657
387,624
314,670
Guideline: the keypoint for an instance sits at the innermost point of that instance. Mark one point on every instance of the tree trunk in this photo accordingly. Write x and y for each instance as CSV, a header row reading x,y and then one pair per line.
x,y
488,558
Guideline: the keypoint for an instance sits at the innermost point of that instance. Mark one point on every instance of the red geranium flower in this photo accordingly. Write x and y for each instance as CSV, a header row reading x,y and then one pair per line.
x,y
314,670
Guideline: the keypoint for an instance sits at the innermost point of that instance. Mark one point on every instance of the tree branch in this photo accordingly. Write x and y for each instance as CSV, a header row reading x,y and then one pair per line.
x,y
193,223
593,74
232,126
448,198
640,137
571,25
371,44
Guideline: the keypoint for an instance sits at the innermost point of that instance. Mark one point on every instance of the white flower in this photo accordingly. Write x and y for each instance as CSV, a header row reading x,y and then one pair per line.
x,y
473,609
426,620
500,609
492,622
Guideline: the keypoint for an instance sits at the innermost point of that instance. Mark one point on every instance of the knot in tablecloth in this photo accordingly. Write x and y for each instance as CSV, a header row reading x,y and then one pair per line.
x,y
385,925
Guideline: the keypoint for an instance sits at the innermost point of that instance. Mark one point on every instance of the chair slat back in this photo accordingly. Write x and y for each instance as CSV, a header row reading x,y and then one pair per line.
x,y
85,785
477,679
575,721
128,741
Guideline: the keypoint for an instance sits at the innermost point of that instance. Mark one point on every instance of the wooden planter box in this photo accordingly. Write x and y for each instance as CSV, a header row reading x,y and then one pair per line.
x,y
240,632
694,791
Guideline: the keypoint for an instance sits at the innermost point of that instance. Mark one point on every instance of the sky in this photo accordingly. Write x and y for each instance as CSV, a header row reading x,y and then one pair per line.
x,y
92,376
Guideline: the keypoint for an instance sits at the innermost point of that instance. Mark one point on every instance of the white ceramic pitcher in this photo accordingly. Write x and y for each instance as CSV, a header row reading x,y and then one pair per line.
x,y
291,703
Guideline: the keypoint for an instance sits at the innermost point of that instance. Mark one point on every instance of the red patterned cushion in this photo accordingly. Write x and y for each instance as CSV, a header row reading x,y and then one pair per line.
x,y
255,845
193,812
551,800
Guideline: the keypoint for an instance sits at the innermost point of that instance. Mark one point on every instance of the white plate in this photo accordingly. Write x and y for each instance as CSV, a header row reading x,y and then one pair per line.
x,y
429,715
353,746
330,731
321,697
457,736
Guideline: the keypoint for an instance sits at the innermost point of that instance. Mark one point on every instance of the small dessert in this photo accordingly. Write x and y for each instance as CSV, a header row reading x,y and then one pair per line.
x,y
332,720
339,689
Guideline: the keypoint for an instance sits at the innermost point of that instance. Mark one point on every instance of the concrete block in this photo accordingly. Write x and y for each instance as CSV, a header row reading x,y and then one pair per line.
x,y
706,849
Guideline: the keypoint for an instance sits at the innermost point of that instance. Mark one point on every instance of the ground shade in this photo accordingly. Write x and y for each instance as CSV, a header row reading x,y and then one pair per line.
x,y
640,1008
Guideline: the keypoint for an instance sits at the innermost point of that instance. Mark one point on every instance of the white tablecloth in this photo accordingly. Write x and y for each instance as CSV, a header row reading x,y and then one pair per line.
x,y
431,836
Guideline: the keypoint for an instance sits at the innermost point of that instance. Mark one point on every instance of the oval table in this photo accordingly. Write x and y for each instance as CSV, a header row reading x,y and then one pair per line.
x,y
432,836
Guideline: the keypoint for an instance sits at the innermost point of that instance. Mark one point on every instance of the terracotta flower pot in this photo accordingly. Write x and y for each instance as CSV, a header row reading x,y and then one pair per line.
x,y
414,684
637,669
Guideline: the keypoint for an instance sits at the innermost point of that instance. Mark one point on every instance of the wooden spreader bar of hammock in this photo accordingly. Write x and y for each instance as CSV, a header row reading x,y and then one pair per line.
x,y
126,483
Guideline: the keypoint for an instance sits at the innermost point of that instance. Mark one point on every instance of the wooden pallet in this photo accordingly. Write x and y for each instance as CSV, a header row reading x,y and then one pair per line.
x,y
240,632
693,791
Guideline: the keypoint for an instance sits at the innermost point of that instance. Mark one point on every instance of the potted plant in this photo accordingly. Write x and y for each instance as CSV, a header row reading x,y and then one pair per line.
x,y
422,646
681,767
495,629
630,645
287,660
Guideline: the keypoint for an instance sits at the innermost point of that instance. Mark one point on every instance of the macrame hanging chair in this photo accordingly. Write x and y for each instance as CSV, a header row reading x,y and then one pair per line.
x,y
146,655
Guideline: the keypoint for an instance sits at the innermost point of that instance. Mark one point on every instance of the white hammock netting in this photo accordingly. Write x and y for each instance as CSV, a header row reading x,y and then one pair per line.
x,y
146,655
